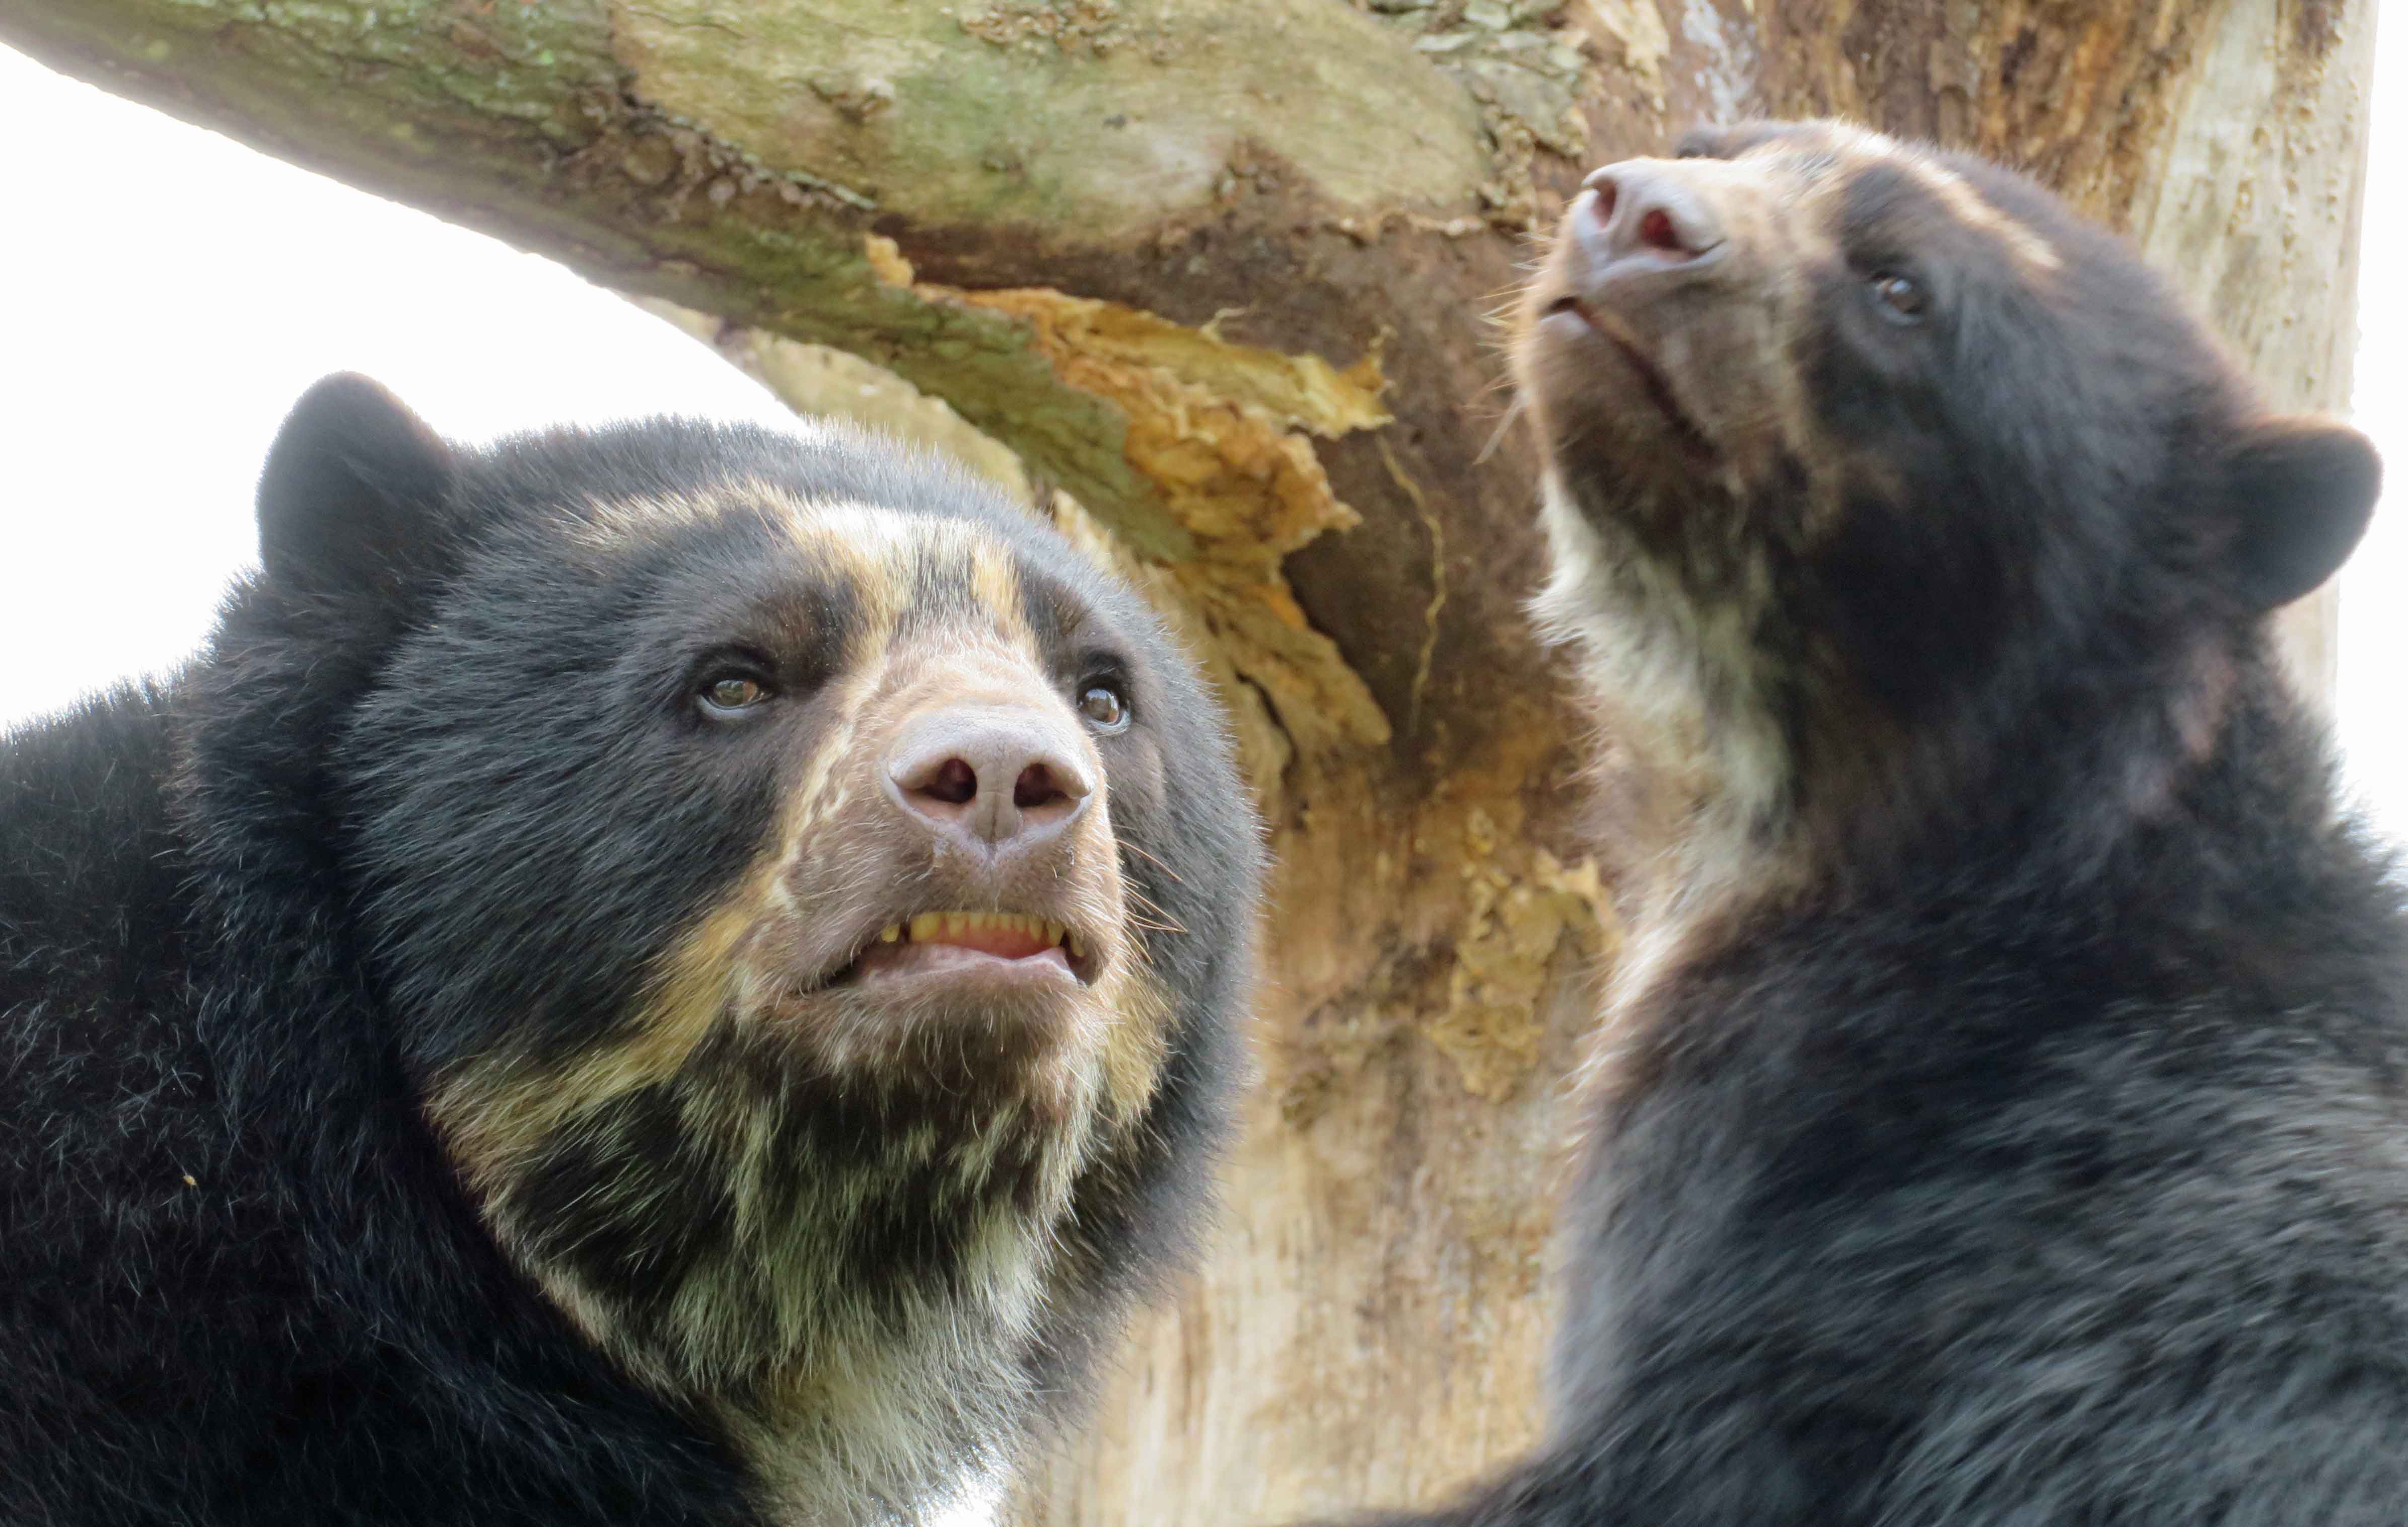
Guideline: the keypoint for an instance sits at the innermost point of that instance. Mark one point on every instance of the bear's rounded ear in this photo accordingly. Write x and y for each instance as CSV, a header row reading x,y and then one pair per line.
x,y
350,499
2300,490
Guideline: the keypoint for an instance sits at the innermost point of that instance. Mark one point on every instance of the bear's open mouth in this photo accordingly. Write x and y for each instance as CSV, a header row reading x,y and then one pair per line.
x,y
1651,377
967,941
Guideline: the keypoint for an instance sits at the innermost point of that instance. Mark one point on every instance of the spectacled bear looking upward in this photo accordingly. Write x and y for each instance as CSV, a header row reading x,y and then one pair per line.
x,y
666,975
2001,1117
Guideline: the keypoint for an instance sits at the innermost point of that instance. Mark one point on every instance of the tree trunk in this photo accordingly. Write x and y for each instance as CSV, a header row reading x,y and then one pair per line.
x,y
1210,279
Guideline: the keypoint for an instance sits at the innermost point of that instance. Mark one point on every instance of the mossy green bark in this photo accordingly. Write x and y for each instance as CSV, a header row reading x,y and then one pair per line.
x,y
1105,117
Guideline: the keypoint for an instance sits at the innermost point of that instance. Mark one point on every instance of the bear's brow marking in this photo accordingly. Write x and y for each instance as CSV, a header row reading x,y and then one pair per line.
x,y
1958,198
887,555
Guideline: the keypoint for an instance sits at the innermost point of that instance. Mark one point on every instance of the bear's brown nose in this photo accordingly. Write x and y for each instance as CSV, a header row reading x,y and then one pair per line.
x,y
1641,206
991,777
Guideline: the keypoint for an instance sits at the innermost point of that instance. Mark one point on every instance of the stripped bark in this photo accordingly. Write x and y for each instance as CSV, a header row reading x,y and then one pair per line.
x,y
1207,278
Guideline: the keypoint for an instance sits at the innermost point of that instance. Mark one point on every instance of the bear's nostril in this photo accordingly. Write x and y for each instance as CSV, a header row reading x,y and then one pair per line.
x,y
1036,787
1608,193
954,782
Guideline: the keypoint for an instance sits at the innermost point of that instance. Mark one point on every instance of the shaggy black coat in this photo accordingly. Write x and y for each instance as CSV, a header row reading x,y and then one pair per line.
x,y
2003,1119
239,1280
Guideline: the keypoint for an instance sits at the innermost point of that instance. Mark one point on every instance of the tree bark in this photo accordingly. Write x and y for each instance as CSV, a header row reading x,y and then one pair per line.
x,y
1210,279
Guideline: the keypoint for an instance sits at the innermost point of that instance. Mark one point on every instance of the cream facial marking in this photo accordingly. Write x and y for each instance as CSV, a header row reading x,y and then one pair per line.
x,y
775,1317
1962,202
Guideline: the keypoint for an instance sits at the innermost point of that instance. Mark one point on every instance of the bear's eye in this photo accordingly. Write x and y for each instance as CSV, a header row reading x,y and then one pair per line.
x,y
1902,297
1103,707
731,694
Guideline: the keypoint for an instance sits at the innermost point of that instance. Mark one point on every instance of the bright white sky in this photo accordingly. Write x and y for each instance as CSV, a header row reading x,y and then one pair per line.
x,y
173,293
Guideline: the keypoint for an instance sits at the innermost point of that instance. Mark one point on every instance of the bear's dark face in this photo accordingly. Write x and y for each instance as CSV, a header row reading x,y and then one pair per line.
x,y
1844,435
786,876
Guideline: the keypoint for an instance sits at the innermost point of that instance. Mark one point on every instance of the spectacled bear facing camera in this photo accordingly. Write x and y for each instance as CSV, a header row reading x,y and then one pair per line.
x,y
671,974
2000,1118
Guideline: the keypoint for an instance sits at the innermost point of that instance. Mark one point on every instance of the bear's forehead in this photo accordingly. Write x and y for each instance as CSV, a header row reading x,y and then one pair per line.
x,y
898,562
891,565
1820,164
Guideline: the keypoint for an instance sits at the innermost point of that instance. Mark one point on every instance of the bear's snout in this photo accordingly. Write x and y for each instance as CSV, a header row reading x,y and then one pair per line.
x,y
1643,212
993,779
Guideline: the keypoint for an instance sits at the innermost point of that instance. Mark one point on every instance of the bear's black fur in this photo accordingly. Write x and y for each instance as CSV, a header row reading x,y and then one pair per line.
x,y
2000,1116
427,820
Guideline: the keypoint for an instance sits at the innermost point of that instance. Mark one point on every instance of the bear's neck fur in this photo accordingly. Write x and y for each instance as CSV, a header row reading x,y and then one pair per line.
x,y
1751,774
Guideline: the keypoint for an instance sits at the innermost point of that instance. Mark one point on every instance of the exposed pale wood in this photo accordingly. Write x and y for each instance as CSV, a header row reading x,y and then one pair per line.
x,y
2256,205
1113,236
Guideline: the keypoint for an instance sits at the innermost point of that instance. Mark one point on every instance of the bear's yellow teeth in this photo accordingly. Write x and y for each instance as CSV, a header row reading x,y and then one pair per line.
x,y
1010,935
